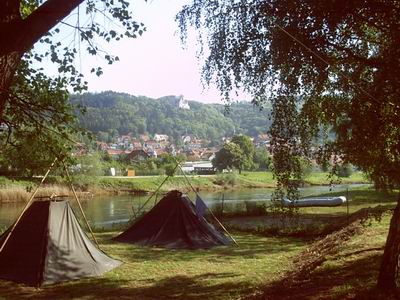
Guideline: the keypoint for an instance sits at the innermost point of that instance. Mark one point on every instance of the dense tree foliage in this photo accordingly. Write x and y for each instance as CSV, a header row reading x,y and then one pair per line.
x,y
39,126
230,156
247,147
109,113
321,64
236,154
262,159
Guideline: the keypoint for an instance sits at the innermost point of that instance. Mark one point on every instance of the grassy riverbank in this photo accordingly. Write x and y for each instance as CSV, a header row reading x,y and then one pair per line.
x,y
19,190
311,221
215,182
228,272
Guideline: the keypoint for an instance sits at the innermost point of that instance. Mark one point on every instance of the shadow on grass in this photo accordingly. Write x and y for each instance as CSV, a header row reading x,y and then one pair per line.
x,y
174,287
249,247
352,279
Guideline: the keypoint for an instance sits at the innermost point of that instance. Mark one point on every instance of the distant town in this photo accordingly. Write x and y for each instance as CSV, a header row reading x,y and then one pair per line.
x,y
197,152
146,146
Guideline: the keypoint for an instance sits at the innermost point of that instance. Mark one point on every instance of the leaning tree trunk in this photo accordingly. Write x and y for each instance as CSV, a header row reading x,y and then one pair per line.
x,y
10,24
390,260
18,35
8,65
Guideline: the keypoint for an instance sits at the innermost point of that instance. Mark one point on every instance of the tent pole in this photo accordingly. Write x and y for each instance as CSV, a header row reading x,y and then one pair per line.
x,y
212,214
27,205
80,206
222,226
155,192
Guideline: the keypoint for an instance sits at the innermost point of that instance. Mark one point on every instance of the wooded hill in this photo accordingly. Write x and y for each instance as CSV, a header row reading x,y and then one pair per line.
x,y
109,113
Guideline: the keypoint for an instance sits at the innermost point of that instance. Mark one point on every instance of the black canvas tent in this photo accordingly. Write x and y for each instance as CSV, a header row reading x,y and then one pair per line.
x,y
48,246
173,223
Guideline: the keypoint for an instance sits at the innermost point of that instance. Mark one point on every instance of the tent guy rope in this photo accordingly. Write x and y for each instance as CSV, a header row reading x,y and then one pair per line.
x,y
79,204
212,214
156,191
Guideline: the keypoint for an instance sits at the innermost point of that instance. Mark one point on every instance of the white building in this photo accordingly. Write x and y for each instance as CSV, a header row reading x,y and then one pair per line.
x,y
183,103
161,137
190,166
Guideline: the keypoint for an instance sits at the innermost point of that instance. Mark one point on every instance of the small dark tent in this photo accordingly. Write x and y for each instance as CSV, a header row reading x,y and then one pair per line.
x,y
48,246
173,223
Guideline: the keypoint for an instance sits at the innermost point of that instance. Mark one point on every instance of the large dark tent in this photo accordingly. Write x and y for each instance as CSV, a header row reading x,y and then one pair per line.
x,y
48,246
173,223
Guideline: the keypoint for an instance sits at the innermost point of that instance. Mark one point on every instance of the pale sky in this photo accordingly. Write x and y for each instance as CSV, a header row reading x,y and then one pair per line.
x,y
154,64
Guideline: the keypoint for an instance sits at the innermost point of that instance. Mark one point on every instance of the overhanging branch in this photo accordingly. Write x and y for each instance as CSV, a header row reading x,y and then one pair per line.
x,y
43,19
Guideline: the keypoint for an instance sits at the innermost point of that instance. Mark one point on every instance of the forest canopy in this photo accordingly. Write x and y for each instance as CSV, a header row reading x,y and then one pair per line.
x,y
112,113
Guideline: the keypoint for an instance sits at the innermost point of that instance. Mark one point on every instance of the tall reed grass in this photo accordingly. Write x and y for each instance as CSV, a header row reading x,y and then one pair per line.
x,y
22,194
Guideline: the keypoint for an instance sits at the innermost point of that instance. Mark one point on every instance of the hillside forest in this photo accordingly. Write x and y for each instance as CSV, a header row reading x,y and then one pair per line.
x,y
109,114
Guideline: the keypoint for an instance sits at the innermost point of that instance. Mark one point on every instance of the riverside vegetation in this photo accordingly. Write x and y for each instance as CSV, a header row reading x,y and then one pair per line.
x,y
19,190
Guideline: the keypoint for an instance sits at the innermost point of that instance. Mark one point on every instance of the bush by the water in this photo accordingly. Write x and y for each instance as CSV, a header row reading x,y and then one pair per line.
x,y
345,170
226,179
170,169
254,209
83,183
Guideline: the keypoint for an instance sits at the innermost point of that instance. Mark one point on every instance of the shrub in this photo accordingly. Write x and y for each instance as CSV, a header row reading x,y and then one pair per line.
x,y
225,179
170,169
83,182
4,181
345,170
255,209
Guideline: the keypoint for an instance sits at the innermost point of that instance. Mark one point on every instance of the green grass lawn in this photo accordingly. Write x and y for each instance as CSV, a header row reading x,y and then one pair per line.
x,y
154,273
244,180
320,178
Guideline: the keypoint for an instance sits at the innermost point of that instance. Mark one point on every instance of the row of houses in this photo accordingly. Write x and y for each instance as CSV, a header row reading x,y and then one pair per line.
x,y
143,153
145,147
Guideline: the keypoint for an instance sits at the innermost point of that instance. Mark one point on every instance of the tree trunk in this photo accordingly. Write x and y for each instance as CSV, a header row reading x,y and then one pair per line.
x,y
390,261
8,65
18,35
10,24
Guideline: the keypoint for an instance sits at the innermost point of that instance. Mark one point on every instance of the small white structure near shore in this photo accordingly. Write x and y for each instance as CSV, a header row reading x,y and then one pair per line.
x,y
191,166
112,171
318,201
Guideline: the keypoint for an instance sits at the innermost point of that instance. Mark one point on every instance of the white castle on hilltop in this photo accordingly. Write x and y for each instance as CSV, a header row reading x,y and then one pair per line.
x,y
183,103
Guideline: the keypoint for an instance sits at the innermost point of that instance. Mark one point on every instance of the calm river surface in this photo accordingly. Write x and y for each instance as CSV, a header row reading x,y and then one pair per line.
x,y
107,211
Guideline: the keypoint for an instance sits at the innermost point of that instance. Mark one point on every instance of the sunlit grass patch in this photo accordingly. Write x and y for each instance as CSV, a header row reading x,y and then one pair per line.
x,y
317,178
342,290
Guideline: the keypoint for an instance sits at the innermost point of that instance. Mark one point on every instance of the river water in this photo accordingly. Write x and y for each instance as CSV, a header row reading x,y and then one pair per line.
x,y
109,211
